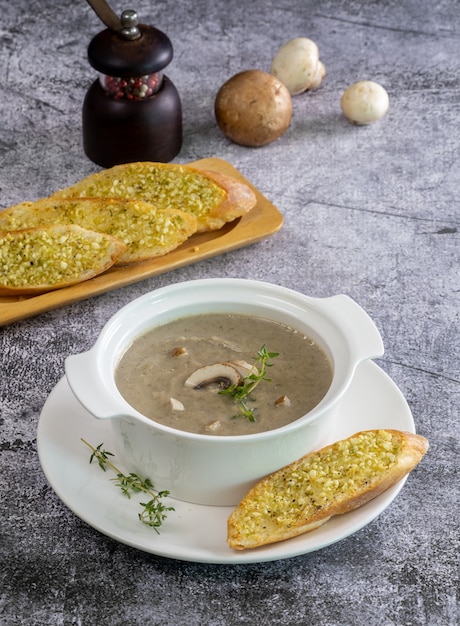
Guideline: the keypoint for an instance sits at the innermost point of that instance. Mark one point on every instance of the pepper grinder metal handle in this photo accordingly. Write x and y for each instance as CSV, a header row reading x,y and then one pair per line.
x,y
106,14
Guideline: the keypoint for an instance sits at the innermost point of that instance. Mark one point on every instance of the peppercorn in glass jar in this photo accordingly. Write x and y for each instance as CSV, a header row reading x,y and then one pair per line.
x,y
135,88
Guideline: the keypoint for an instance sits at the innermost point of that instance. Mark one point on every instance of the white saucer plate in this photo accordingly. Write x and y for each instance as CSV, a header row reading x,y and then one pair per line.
x,y
191,532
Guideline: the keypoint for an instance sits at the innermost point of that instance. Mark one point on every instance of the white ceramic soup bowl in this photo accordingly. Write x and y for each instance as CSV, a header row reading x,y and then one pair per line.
x,y
208,469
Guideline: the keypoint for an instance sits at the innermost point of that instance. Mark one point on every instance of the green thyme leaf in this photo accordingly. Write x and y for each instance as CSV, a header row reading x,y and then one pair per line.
x,y
240,393
154,511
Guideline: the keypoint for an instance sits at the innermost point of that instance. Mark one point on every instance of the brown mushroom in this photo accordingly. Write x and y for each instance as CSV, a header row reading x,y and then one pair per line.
x,y
253,108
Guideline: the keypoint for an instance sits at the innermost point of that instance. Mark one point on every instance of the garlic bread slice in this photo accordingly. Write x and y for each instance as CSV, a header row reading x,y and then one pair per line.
x,y
37,260
212,198
146,232
331,481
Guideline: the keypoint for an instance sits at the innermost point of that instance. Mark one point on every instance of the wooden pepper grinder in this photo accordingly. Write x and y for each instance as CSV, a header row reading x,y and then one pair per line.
x,y
132,112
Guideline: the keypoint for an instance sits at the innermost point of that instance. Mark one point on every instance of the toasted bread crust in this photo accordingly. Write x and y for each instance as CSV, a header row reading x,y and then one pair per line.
x,y
212,198
37,260
334,480
146,232
240,199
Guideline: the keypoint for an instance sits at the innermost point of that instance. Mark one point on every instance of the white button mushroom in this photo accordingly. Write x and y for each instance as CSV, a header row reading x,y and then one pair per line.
x,y
297,65
364,102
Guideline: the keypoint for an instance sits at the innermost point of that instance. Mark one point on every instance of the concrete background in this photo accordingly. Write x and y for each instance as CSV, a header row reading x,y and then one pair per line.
x,y
372,212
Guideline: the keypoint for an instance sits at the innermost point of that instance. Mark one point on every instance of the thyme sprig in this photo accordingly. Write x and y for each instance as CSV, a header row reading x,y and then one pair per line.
x,y
154,512
240,393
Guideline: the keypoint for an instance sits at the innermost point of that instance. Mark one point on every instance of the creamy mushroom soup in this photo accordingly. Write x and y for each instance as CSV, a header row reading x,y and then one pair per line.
x,y
175,374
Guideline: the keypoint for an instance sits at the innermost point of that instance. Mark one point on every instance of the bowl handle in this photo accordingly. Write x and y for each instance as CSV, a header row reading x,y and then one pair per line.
x,y
365,339
87,386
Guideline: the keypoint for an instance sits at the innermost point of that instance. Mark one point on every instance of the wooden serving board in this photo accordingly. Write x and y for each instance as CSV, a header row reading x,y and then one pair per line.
x,y
261,222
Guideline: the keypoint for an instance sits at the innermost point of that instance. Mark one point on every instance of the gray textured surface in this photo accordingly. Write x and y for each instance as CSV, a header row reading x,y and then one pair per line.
x,y
371,212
